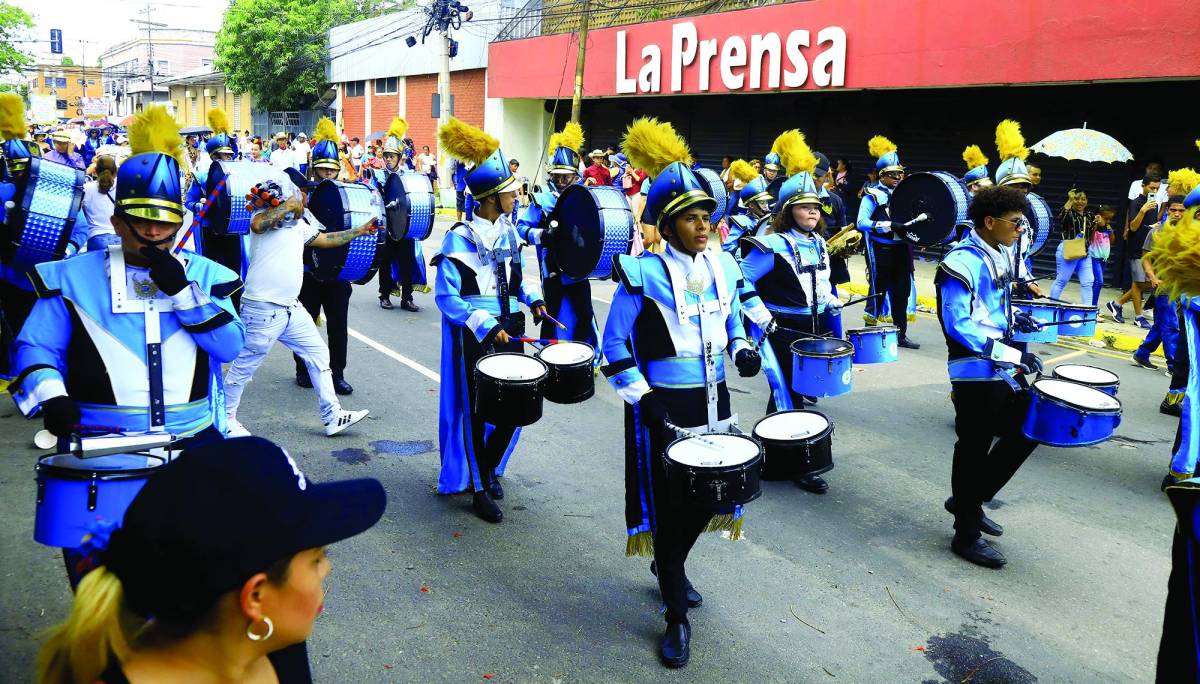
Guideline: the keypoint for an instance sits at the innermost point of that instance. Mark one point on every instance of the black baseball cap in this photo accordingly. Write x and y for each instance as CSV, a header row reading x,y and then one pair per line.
x,y
822,165
220,513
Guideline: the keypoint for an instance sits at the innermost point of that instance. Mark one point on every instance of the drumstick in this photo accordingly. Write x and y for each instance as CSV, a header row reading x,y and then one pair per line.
x,y
534,340
555,321
1082,320
860,300
212,197
694,435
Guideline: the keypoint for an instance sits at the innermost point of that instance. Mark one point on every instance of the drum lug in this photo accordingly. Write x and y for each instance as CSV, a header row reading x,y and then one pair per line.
x,y
41,485
92,492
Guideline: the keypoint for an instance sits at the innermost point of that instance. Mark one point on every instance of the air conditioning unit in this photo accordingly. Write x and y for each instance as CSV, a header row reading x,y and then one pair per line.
x,y
188,93
208,92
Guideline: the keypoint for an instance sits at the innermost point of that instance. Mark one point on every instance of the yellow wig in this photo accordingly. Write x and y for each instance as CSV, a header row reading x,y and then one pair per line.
x,y
218,121
399,127
974,157
653,145
1176,256
570,137
794,152
154,130
12,117
326,130
1182,181
465,142
1009,141
879,146
741,170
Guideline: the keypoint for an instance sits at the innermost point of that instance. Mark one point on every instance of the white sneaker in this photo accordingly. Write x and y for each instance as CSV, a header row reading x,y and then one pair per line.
x,y
343,420
234,428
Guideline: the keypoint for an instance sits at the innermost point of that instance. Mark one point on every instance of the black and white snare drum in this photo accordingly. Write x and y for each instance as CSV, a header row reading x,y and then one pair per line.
x,y
572,377
716,470
795,443
509,388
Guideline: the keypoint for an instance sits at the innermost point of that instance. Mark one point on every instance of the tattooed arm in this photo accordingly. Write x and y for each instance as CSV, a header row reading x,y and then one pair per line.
x,y
267,219
328,240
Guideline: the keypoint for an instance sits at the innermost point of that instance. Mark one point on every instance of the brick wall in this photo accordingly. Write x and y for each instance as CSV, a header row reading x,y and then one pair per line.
x,y
468,90
383,107
353,111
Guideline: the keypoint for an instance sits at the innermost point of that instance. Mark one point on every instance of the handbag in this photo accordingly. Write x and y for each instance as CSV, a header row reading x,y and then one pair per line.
x,y
1075,248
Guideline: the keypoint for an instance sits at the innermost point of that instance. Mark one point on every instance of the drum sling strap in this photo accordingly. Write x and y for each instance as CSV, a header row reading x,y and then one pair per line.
x,y
150,309
811,269
706,311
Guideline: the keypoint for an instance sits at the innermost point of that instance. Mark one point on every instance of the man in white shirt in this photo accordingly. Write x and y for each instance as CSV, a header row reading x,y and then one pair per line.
x,y
1153,168
272,311
282,156
301,149
356,154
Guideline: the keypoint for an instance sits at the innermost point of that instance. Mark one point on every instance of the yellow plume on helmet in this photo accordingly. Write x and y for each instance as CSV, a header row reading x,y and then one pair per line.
x,y
12,117
794,152
1176,256
653,145
1182,181
1009,141
326,130
879,146
741,170
570,137
154,130
466,142
974,157
398,128
218,121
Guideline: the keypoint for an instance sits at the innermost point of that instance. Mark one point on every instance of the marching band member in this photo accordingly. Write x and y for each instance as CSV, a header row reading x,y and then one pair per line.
x,y
789,267
132,338
567,299
889,259
976,178
973,284
752,209
406,254
228,250
479,285
91,145
1010,143
837,225
772,167
673,317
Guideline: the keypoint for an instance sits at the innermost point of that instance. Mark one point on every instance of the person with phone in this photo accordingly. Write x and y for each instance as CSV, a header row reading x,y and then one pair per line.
x,y
1143,212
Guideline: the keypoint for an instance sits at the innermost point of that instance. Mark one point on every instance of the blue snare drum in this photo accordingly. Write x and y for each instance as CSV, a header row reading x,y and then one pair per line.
x,y
1042,312
1103,380
42,226
1084,318
408,205
594,225
1038,213
940,196
1068,414
345,206
74,493
821,367
875,344
716,189
227,214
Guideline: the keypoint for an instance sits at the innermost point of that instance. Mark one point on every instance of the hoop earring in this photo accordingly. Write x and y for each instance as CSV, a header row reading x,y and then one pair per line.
x,y
260,637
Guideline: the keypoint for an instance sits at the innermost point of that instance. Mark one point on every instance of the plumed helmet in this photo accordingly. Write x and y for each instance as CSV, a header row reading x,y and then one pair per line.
x,y
148,184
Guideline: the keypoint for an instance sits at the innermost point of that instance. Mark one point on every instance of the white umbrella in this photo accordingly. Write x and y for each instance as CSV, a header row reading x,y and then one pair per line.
x,y
1083,144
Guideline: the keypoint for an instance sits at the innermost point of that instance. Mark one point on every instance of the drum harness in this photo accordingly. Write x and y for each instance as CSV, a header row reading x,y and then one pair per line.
x,y
495,259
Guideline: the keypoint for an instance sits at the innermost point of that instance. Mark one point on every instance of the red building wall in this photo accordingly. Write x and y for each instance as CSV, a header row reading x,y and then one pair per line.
x,y
353,111
468,88
383,108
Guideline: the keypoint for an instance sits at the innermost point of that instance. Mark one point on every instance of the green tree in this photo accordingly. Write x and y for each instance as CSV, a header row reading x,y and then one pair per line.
x,y
21,89
14,21
276,49
67,61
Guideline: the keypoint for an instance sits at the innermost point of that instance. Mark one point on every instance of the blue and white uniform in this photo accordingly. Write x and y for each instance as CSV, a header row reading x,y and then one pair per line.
x,y
888,261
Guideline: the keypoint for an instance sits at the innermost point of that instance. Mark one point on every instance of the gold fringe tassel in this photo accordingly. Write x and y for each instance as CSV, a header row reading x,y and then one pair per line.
x,y
640,544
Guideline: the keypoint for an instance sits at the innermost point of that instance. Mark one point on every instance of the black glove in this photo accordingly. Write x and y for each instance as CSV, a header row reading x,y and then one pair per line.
x,y
652,410
1025,323
61,416
748,363
165,270
1032,363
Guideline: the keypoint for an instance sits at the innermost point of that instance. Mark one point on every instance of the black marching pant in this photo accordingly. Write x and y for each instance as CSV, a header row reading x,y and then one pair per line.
x,y
16,304
982,411
893,270
489,450
401,254
1178,659
332,297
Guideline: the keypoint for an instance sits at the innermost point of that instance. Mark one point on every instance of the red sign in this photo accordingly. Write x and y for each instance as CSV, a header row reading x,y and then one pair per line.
x,y
862,44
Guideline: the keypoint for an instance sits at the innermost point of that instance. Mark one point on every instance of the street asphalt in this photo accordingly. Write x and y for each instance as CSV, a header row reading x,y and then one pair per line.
x,y
858,585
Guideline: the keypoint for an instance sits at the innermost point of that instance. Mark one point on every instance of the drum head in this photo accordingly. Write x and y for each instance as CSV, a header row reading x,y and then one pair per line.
x,y
1080,396
395,206
941,196
512,366
819,346
791,425
1089,375
328,204
1037,210
70,466
720,449
567,353
588,220
874,329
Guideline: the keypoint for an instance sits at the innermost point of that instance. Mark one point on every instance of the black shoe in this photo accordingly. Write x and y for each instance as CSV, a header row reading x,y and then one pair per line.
x,y
340,386
409,305
492,484
485,508
812,483
385,302
810,399
979,552
675,648
908,343
1170,409
986,524
694,599
1143,362
302,378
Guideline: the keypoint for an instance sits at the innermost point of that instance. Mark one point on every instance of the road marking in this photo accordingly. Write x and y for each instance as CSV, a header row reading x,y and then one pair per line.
x,y
602,299
1059,359
394,355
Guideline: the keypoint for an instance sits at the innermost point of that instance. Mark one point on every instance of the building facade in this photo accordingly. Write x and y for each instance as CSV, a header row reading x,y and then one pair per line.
x,y
193,94
58,92
134,70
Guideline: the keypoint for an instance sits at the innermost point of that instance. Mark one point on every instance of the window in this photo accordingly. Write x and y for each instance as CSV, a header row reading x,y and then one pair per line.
x,y
212,102
60,83
206,62
285,119
385,86
356,88
60,104
164,66
195,115
237,111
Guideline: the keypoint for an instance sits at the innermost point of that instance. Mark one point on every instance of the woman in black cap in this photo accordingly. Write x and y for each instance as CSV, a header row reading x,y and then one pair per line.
x,y
216,571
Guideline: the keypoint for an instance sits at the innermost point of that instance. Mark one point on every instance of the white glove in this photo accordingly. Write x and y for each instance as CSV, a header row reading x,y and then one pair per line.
x,y
834,305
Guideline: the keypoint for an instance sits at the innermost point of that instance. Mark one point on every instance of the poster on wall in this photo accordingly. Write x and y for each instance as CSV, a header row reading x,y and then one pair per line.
x,y
94,106
43,108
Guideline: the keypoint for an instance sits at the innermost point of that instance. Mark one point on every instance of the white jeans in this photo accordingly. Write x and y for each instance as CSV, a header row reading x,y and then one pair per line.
x,y
294,327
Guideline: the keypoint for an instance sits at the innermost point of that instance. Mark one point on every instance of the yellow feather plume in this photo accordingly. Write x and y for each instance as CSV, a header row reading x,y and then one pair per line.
x,y
570,137
879,146
326,130
794,152
654,145
218,121
1182,181
154,130
741,170
1176,256
974,156
1009,141
465,142
399,127
12,117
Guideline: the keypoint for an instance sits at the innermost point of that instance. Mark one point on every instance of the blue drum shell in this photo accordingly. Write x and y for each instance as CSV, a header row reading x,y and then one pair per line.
x,y
822,367
1043,313
1067,312
875,344
344,206
41,227
62,517
1038,212
1057,423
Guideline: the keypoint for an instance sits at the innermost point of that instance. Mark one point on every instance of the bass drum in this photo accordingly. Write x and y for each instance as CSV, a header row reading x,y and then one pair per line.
x,y
227,214
1037,210
594,225
345,206
39,226
408,205
941,196
716,189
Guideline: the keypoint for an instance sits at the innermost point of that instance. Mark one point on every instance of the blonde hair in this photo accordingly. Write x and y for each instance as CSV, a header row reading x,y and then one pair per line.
x,y
77,651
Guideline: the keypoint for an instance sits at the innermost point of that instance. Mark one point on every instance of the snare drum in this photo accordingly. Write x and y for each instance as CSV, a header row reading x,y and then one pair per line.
x,y
227,214
594,225
1042,312
821,367
74,493
346,206
716,189
1067,414
715,471
875,344
1103,380
408,205
42,226
795,443
1078,313
509,388
572,376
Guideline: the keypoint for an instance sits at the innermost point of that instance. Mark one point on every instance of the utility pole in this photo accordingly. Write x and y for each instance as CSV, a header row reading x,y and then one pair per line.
x,y
444,83
442,17
149,44
577,97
